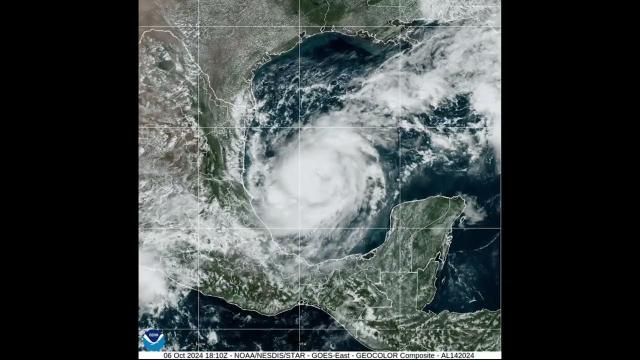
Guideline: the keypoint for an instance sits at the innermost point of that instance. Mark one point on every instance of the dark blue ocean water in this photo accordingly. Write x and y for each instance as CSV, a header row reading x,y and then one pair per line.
x,y
469,280
332,59
237,329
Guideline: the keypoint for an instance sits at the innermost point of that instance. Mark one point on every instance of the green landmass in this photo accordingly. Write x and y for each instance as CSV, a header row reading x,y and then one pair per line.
x,y
378,297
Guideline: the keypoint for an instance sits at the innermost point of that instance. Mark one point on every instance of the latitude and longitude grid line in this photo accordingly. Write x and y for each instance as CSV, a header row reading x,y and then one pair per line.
x,y
198,187
400,230
299,174
299,169
316,329
311,127
304,228
318,26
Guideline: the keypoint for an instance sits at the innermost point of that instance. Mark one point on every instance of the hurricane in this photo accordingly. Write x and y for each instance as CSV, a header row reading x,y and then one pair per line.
x,y
340,123
324,181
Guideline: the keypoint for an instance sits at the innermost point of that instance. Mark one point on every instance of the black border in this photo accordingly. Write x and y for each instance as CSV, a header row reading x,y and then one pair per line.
x,y
82,167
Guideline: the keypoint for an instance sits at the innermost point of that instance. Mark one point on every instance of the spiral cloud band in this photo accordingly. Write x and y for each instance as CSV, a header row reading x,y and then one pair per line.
x,y
325,181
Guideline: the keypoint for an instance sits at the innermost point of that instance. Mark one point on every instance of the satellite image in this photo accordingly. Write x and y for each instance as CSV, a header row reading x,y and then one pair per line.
x,y
320,175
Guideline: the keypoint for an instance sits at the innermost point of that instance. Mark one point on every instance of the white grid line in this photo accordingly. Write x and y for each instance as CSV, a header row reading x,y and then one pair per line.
x,y
313,329
500,230
398,94
337,228
317,26
316,127
299,171
198,179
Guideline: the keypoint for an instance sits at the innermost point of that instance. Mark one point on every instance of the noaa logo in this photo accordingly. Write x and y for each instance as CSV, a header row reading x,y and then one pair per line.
x,y
153,340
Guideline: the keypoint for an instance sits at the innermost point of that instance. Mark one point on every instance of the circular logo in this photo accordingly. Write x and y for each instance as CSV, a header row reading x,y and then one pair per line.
x,y
153,340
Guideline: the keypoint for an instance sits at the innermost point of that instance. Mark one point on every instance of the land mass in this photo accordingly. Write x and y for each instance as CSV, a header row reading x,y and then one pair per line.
x,y
378,296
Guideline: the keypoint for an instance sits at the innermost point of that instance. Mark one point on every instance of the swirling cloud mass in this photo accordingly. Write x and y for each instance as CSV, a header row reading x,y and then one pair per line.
x,y
322,183
336,172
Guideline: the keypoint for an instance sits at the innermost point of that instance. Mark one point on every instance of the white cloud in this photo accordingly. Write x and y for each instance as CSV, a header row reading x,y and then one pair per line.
x,y
331,174
152,285
473,212
452,10
448,62
212,338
